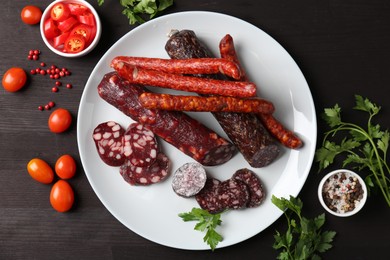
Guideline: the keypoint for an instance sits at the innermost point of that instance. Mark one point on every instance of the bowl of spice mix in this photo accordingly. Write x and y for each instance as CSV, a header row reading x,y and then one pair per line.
x,y
342,193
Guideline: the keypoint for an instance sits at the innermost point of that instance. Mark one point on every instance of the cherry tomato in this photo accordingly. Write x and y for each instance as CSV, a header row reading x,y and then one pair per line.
x,y
31,14
14,79
59,12
59,120
40,171
61,196
65,167
75,43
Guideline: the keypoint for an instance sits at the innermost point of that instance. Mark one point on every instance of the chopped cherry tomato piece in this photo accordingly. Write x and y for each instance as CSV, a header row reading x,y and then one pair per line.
x,y
50,29
60,39
74,43
68,24
31,14
82,30
59,12
87,19
77,9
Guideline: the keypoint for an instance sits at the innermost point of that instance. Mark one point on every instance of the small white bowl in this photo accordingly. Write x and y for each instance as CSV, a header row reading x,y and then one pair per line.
x,y
46,15
328,184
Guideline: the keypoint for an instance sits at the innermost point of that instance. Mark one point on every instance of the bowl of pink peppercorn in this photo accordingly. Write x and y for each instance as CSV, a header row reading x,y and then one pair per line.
x,y
342,193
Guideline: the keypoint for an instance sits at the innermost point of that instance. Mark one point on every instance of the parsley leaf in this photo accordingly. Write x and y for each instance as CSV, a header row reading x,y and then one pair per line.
x,y
138,10
304,238
206,222
365,147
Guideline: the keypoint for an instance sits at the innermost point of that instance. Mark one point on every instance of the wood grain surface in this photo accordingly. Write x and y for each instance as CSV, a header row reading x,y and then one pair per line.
x,y
342,48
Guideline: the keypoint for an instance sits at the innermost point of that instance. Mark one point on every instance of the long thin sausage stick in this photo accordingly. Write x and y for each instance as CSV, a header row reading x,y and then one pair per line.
x,y
285,136
184,66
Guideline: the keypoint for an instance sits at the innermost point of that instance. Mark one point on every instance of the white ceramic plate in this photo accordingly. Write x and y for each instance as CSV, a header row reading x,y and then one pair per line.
x,y
152,212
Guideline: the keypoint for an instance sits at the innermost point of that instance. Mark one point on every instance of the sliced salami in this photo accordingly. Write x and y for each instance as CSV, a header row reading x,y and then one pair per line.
x,y
233,194
154,173
208,198
108,140
189,179
140,145
256,189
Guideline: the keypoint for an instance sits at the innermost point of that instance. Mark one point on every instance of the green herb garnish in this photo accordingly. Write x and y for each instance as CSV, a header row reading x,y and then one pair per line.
x,y
206,222
303,238
136,10
365,148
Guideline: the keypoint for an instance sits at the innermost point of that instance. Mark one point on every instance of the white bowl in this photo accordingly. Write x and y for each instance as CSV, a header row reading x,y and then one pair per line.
x,y
339,202
46,14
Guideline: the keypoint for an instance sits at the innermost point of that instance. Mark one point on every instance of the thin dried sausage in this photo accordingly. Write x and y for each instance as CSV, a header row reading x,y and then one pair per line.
x,y
154,78
285,136
206,104
191,66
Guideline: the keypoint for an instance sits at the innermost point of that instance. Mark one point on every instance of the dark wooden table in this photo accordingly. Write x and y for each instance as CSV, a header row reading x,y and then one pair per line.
x,y
342,48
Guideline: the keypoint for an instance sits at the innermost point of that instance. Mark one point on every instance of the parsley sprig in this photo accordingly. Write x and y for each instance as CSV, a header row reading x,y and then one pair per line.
x,y
206,222
366,148
137,10
304,238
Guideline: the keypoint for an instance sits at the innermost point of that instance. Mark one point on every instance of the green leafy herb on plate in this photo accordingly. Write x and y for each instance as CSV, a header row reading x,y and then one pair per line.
x,y
135,10
206,222
304,238
366,147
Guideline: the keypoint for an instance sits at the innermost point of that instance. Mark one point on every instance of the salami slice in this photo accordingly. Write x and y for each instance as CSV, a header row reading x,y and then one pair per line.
x,y
154,173
108,140
256,189
189,179
140,145
208,198
233,194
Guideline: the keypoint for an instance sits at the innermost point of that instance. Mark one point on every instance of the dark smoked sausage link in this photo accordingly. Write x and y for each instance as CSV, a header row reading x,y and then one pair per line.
x,y
244,130
205,104
177,128
184,83
285,136
191,66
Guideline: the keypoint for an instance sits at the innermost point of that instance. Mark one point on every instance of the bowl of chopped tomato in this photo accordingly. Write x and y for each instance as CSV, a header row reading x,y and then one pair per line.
x,y
70,28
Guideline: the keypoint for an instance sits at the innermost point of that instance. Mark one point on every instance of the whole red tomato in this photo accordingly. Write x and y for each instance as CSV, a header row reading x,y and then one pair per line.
x,y
61,196
40,171
31,14
59,120
14,79
65,167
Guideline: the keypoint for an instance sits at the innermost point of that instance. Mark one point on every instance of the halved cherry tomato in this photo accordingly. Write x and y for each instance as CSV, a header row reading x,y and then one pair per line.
x,y
14,79
65,167
59,12
68,24
60,39
59,120
61,196
77,9
50,29
40,171
87,19
31,14
82,30
74,44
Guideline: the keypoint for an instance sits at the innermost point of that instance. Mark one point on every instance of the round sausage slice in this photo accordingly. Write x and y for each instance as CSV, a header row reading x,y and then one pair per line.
x,y
189,179
256,189
154,173
108,140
